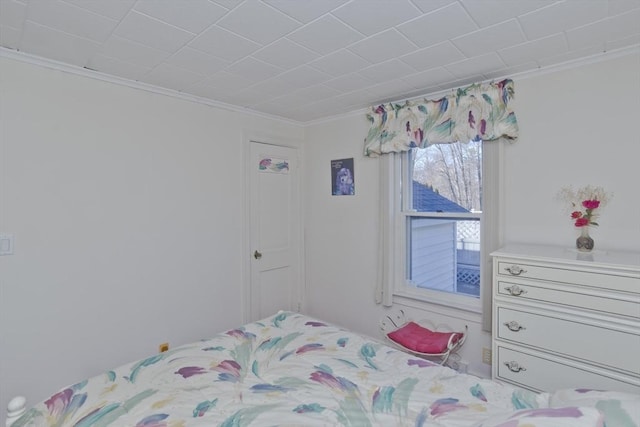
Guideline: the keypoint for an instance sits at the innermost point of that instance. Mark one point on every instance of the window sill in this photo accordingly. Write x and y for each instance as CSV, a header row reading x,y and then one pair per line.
x,y
459,303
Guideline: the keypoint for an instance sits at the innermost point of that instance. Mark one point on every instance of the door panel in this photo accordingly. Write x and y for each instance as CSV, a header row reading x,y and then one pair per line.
x,y
274,230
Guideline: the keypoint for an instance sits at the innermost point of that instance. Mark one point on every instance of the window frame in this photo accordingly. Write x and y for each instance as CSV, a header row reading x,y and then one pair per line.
x,y
490,232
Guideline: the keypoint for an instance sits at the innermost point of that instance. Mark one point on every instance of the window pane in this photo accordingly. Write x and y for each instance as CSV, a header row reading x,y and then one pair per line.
x,y
447,177
444,250
445,255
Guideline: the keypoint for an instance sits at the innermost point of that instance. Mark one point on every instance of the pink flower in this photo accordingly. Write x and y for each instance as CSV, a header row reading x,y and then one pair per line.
x,y
581,222
576,214
591,204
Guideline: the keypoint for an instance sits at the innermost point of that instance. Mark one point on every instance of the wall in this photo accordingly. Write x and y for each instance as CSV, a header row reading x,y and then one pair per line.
x,y
578,126
126,208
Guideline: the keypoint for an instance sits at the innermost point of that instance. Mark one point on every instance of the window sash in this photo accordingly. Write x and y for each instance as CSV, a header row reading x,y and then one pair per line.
x,y
395,209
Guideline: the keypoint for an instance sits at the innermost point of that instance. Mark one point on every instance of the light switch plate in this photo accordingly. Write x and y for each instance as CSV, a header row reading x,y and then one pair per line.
x,y
6,244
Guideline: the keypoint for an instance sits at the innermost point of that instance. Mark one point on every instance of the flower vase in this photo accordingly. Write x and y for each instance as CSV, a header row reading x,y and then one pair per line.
x,y
584,243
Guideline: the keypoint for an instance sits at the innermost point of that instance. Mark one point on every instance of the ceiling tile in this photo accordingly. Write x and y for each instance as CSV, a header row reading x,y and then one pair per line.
x,y
169,76
340,62
111,9
316,58
510,71
489,39
153,33
10,37
197,17
325,35
427,6
390,90
572,55
561,16
71,19
429,78
383,46
135,53
305,11
621,6
349,82
476,66
225,79
197,61
270,88
610,29
622,43
115,67
434,56
372,16
302,77
308,95
438,26
534,50
44,41
244,98
258,22
228,4
275,108
489,12
285,54
223,44
253,69
12,13
387,70
221,84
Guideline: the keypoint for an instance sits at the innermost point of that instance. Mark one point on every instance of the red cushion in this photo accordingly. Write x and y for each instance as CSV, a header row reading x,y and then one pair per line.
x,y
423,340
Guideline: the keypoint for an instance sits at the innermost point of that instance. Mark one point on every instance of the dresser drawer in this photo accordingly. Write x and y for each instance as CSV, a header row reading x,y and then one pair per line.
x,y
542,372
617,303
571,336
605,280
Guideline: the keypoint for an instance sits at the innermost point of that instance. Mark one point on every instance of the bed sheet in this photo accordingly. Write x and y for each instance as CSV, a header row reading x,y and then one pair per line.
x,y
287,370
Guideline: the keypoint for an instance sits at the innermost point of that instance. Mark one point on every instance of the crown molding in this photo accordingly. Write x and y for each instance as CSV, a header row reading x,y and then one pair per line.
x,y
97,75
580,62
85,72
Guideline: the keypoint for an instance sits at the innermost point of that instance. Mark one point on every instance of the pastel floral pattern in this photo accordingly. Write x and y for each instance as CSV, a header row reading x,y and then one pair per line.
x,y
477,112
288,369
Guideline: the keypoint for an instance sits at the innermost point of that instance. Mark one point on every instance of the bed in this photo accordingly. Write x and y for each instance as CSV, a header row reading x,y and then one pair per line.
x,y
293,370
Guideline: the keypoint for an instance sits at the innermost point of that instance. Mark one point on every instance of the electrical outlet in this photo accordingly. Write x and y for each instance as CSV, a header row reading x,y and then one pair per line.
x,y
163,347
486,355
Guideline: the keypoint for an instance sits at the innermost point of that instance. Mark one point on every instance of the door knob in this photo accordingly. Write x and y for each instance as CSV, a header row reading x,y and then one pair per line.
x,y
257,255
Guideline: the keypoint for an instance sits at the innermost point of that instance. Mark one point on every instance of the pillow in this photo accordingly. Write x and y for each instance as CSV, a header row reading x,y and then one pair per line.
x,y
423,340
547,417
619,408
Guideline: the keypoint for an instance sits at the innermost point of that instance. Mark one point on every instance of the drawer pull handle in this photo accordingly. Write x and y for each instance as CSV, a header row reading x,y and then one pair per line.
x,y
514,366
514,326
515,290
515,270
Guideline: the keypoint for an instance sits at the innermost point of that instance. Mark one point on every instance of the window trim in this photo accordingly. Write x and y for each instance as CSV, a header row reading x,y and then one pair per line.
x,y
395,258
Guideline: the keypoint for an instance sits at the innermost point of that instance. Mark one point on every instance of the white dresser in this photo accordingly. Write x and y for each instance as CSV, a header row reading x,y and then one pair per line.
x,y
564,319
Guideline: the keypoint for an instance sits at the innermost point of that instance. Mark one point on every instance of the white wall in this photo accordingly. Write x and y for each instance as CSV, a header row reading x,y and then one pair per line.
x,y
578,126
126,208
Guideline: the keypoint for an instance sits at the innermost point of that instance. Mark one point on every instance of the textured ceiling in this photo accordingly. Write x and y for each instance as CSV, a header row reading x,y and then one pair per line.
x,y
309,59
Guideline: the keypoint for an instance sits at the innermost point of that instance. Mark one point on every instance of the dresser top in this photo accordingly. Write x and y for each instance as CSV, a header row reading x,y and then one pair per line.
x,y
595,258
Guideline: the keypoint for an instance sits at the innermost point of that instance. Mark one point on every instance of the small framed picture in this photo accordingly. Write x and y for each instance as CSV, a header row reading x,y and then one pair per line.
x,y
343,179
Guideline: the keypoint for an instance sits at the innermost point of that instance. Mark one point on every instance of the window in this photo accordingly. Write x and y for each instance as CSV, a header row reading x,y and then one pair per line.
x,y
439,212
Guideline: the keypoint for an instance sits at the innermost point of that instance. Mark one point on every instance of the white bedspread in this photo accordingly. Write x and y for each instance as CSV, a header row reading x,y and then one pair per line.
x,y
288,369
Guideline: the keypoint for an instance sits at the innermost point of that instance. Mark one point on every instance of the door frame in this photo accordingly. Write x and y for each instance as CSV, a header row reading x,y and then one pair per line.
x,y
247,250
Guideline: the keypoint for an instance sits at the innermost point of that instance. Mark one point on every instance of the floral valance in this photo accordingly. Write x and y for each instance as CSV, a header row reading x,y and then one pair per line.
x,y
478,112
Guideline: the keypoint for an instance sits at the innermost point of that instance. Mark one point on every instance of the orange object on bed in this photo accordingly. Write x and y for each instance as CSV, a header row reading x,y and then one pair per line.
x,y
420,339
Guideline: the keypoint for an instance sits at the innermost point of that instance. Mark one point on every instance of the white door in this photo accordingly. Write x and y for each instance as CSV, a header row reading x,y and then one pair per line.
x,y
274,230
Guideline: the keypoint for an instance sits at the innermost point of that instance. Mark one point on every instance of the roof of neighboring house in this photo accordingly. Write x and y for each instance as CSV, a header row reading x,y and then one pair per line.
x,y
427,200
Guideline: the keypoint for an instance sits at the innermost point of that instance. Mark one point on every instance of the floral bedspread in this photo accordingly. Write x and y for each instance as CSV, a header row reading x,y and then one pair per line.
x,y
288,370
